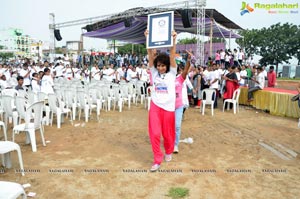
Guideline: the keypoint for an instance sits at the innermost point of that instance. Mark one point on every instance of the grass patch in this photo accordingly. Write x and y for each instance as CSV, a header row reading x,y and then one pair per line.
x,y
178,192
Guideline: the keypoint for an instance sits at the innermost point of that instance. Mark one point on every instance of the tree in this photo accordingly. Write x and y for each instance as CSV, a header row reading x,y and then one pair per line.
x,y
59,50
296,45
187,40
276,44
250,41
217,40
5,56
137,49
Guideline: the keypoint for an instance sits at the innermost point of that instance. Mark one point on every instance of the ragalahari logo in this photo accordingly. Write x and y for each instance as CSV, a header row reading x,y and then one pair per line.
x,y
246,8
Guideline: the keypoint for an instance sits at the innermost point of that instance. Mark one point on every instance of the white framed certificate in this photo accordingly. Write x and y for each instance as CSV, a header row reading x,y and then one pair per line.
x,y
160,27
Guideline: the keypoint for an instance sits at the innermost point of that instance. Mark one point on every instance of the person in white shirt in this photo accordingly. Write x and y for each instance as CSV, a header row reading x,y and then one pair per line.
x,y
243,74
59,70
120,74
96,73
235,58
108,74
259,83
25,73
214,82
3,82
133,75
241,57
35,83
144,76
222,57
162,107
47,82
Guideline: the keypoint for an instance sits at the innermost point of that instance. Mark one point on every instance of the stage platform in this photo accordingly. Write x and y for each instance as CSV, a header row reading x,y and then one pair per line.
x,y
276,101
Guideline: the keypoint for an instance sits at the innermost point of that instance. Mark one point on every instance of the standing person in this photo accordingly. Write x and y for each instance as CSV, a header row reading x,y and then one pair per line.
x,y
25,73
214,82
35,83
179,106
47,82
271,76
232,83
162,107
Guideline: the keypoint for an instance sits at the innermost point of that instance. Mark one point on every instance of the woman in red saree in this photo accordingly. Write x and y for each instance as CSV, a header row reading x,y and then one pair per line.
x,y
231,83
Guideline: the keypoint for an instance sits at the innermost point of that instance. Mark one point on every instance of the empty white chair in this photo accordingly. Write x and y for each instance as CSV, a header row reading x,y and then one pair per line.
x,y
56,107
10,92
11,190
234,100
83,105
149,90
70,98
140,90
125,95
5,148
21,108
4,130
30,127
7,104
208,97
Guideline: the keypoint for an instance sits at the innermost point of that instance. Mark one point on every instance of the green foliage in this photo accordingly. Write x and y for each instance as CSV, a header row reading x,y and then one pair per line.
x,y
187,41
137,49
217,40
1,47
178,192
276,44
5,56
59,50
249,42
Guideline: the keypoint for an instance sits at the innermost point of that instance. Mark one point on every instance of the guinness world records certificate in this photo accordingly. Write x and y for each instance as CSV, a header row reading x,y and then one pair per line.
x,y
160,27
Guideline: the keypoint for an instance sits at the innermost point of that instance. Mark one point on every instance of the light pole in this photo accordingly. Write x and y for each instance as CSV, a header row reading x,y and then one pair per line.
x,y
52,37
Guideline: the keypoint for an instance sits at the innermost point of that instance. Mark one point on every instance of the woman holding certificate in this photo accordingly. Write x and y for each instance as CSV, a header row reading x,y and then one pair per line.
x,y
162,108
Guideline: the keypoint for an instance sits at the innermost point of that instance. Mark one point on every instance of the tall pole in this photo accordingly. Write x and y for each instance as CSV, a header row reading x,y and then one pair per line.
x,y
52,37
211,36
200,4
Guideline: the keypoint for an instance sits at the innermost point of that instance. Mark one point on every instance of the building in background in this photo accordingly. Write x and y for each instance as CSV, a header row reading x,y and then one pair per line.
x,y
14,40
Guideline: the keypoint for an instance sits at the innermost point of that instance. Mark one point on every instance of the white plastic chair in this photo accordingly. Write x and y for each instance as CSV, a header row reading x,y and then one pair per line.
x,y
7,104
149,90
21,108
57,108
70,98
126,96
140,90
5,148
4,130
83,105
234,100
10,92
95,100
30,127
11,190
210,95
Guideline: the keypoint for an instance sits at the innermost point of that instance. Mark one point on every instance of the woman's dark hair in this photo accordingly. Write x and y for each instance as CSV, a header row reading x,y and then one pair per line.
x,y
46,70
163,58
34,74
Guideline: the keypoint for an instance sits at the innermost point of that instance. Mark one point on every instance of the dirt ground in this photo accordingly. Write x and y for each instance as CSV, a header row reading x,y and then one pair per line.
x,y
247,155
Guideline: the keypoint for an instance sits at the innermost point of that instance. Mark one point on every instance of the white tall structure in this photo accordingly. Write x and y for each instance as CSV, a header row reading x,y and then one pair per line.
x,y
200,5
52,38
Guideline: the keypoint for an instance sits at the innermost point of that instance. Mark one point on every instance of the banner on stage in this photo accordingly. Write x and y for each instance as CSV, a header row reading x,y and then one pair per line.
x,y
160,27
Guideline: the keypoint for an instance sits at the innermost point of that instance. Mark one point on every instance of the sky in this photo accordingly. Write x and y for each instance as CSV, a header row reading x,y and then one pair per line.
x,y
33,15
